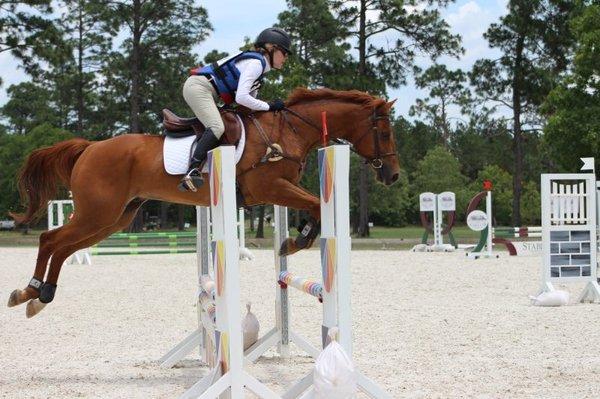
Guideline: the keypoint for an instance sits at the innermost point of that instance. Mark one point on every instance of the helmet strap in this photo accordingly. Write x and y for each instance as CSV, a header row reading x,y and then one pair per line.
x,y
271,54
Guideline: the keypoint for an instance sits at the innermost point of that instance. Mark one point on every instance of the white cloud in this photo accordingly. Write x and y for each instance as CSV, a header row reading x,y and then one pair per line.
x,y
471,21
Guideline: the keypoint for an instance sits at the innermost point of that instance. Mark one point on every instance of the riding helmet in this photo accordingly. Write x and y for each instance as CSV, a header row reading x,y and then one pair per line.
x,y
276,36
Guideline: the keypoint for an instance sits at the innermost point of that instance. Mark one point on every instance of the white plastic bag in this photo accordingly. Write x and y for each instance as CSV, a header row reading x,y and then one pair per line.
x,y
550,298
334,376
250,328
245,254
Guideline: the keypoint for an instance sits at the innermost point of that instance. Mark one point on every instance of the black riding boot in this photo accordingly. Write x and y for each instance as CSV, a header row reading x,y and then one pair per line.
x,y
193,178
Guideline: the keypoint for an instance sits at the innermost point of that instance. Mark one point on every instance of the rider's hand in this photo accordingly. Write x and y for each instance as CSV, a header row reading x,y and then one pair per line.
x,y
276,105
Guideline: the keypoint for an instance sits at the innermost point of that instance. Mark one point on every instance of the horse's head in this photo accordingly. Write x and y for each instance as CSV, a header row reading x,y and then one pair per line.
x,y
356,117
373,139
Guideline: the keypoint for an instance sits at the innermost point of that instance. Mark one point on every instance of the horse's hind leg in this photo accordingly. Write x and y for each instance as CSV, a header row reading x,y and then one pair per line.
x,y
62,252
32,291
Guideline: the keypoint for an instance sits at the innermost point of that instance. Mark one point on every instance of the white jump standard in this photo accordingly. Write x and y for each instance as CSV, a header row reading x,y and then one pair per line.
x,y
228,376
569,230
335,289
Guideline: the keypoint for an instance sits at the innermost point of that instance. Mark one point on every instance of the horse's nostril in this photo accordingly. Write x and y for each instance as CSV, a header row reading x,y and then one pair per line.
x,y
395,177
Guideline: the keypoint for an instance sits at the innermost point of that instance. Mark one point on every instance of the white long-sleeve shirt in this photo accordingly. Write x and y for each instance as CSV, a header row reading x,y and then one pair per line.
x,y
250,70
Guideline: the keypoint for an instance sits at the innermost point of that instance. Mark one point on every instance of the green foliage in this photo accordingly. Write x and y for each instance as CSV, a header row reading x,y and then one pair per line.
x,y
535,44
388,205
13,152
29,105
482,142
437,172
447,89
146,73
214,56
418,30
531,205
573,107
502,193
24,29
319,54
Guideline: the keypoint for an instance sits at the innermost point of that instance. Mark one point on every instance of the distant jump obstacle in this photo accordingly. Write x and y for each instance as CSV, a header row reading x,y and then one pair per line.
x,y
500,235
219,336
569,230
481,221
150,243
145,243
506,236
437,204
59,212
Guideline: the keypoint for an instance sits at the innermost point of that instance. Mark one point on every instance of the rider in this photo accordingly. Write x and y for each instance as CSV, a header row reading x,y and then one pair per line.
x,y
233,79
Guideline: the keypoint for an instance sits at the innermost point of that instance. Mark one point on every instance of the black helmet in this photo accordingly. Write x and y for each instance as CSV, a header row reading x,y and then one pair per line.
x,y
276,36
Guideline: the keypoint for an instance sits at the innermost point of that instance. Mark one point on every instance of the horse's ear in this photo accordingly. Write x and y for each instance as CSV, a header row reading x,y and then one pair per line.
x,y
390,104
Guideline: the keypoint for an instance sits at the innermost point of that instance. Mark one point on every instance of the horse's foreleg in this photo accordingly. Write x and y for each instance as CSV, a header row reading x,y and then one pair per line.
x,y
284,193
63,252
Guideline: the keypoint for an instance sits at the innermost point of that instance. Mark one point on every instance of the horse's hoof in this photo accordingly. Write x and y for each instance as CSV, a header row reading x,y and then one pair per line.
x,y
288,247
14,300
34,307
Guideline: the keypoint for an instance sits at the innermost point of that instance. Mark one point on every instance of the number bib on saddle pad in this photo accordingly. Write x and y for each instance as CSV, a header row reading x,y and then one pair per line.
x,y
176,152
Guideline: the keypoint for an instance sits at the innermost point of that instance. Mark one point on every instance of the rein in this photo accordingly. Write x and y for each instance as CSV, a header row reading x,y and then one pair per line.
x,y
377,161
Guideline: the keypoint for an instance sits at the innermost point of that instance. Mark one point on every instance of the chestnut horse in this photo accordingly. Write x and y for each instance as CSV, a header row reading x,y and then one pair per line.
x,y
111,179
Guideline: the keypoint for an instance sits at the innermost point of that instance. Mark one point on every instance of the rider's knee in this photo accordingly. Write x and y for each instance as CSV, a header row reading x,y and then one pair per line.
x,y
217,128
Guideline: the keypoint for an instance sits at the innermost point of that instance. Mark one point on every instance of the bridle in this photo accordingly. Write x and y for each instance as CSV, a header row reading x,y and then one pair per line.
x,y
376,161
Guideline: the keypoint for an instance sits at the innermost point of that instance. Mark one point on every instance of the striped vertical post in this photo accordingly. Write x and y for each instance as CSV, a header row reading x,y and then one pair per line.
x,y
228,379
334,169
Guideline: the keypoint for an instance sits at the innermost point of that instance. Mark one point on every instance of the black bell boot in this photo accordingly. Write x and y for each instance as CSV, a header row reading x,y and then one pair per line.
x,y
193,178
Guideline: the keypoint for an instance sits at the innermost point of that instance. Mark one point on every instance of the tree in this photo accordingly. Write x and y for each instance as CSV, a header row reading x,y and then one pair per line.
x,y
14,148
413,140
437,172
158,34
535,43
24,30
501,192
321,55
29,105
447,89
573,107
417,27
85,42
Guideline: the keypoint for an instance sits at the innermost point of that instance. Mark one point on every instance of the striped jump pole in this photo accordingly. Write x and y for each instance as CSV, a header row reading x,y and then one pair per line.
x,y
506,235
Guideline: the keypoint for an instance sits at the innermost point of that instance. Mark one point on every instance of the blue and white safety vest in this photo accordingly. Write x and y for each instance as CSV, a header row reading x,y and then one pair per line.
x,y
225,76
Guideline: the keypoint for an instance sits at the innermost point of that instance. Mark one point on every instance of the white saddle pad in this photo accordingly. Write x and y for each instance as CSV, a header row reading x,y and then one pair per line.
x,y
176,152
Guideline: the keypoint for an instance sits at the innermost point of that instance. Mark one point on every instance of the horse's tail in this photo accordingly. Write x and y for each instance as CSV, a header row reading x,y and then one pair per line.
x,y
45,169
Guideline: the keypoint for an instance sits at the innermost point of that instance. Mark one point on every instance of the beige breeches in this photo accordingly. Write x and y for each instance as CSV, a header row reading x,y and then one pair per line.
x,y
201,96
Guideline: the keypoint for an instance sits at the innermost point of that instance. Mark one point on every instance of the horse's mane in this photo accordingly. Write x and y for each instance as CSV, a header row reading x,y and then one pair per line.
x,y
301,95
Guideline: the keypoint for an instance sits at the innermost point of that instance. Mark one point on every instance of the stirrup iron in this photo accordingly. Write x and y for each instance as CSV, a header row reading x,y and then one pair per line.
x,y
192,180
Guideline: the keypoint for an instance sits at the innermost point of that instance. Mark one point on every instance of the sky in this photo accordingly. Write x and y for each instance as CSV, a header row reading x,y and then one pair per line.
x,y
240,18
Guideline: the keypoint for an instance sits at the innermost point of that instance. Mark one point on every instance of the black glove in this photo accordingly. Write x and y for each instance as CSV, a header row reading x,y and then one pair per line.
x,y
276,105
